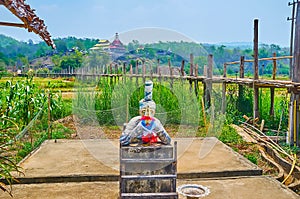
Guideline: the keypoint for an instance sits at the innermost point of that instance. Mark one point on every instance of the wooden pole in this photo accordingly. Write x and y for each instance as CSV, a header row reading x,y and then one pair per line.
x,y
191,70
192,64
19,25
171,73
196,80
124,72
182,68
272,90
208,88
157,68
224,90
292,38
255,65
225,70
49,116
293,137
241,100
144,71
116,73
131,71
151,71
137,72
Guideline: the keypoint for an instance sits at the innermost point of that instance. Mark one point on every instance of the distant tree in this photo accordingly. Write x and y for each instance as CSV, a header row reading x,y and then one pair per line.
x,y
61,46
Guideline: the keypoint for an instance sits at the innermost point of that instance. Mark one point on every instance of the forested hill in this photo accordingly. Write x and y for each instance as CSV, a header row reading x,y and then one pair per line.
x,y
18,53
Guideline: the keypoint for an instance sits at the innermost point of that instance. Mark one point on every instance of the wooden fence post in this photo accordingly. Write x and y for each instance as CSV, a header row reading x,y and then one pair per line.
x,y
182,68
272,90
208,87
241,87
124,72
255,65
196,80
137,72
143,71
293,135
131,71
223,108
171,73
157,68
49,116
191,70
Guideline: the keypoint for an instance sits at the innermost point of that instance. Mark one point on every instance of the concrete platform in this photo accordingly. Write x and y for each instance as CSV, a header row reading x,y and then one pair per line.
x,y
233,188
89,169
98,160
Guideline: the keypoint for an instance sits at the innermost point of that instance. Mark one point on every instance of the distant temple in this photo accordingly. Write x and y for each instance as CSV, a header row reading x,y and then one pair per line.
x,y
103,45
117,46
115,49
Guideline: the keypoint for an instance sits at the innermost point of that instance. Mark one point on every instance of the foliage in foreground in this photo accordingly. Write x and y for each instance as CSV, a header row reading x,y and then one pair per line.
x,y
24,120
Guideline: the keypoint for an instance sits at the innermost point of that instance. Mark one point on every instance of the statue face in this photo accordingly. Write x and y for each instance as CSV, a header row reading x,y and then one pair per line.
x,y
147,111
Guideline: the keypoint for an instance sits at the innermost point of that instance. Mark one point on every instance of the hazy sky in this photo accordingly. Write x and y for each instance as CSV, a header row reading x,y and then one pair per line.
x,y
202,21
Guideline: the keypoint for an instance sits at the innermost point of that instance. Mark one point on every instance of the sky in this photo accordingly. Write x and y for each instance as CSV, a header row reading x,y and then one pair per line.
x,y
202,21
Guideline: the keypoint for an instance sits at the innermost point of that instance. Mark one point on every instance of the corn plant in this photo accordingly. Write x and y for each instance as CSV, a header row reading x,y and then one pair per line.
x,y
22,116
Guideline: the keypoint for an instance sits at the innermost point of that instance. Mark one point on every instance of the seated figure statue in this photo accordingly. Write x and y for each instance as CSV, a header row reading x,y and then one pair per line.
x,y
145,128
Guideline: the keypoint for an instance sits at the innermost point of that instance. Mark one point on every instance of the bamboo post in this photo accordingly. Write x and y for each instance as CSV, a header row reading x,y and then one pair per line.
x,y
255,65
205,70
151,71
196,80
293,135
224,90
192,64
144,71
49,116
124,72
130,71
157,68
292,37
272,90
182,68
191,70
136,73
225,70
196,70
127,109
241,87
110,68
159,75
204,82
171,73
116,73
208,88
110,73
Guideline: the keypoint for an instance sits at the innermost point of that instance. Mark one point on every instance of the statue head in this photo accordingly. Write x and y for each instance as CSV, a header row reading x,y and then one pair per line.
x,y
146,105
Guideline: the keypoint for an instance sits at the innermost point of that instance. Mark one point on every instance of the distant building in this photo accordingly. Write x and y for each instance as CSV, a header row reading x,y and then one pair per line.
x,y
102,45
115,48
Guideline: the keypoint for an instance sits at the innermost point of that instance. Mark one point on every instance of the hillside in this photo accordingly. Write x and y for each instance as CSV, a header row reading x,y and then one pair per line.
x,y
20,54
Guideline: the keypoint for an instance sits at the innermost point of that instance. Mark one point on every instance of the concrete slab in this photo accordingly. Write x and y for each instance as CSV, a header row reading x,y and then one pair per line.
x,y
101,157
233,188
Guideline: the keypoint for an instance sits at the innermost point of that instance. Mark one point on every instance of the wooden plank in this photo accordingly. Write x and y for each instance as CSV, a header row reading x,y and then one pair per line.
x,y
260,59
